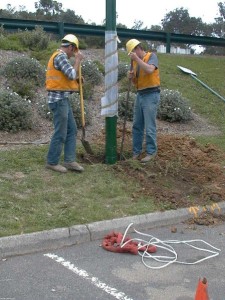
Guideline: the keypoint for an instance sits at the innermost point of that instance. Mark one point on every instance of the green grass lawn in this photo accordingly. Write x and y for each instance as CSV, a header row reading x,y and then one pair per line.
x,y
33,198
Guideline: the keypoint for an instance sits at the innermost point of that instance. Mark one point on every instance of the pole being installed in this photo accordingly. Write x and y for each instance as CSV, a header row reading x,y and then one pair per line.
x,y
109,103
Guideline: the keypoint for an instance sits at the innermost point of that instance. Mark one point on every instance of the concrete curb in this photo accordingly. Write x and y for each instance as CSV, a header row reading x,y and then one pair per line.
x,y
61,237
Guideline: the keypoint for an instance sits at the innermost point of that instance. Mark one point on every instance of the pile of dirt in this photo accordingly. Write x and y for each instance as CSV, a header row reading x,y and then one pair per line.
x,y
207,218
183,174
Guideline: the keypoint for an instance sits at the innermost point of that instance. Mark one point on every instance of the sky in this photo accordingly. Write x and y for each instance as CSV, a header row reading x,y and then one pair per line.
x,y
129,11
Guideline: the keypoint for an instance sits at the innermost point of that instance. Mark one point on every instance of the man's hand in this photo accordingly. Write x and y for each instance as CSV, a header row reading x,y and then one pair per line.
x,y
130,74
82,80
78,58
134,56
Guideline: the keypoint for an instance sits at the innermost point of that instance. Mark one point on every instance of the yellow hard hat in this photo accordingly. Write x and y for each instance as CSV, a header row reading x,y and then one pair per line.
x,y
71,39
131,44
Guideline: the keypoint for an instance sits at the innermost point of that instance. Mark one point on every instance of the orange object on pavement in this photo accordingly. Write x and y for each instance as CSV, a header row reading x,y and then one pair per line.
x,y
202,290
112,242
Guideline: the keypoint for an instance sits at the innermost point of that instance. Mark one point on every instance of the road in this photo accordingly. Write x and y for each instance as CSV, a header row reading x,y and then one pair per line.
x,y
89,272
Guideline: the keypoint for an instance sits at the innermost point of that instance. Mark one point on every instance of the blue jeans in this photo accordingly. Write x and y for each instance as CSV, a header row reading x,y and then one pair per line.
x,y
65,131
145,111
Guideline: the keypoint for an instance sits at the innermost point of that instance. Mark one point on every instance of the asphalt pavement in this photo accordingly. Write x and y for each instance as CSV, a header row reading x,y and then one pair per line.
x,y
86,271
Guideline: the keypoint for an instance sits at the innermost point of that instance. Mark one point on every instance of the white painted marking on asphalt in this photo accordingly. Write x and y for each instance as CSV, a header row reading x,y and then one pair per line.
x,y
5,280
94,280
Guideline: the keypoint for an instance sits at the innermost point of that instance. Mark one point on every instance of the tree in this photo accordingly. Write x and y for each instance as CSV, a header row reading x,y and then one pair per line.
x,y
154,44
179,21
48,7
156,28
69,16
217,29
8,12
138,25
221,6
221,20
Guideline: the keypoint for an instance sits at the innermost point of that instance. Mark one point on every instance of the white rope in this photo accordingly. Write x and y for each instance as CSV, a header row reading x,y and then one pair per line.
x,y
172,256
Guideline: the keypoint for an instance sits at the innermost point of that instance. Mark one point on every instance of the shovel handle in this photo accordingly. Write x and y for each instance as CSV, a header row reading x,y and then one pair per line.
x,y
131,65
81,97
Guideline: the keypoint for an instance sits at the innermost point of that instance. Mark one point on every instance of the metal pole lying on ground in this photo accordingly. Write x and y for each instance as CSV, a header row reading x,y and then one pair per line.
x,y
194,76
206,86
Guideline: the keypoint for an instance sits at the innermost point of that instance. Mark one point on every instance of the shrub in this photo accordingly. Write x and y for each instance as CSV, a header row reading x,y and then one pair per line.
x,y
23,75
36,39
122,105
123,68
82,44
91,72
42,107
92,77
100,66
87,90
22,87
124,84
15,112
173,107
10,42
2,31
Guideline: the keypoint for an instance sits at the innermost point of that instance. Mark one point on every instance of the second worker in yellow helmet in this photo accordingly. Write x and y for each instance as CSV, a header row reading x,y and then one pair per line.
x,y
145,77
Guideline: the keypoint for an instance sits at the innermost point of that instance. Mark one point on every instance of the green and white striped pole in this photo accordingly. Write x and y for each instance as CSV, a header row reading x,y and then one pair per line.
x,y
109,103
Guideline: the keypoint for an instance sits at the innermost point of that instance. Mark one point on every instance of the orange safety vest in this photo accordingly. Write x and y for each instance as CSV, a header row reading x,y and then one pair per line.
x,y
143,80
56,80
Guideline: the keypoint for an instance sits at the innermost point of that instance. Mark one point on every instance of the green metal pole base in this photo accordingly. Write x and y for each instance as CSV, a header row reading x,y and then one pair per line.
x,y
111,141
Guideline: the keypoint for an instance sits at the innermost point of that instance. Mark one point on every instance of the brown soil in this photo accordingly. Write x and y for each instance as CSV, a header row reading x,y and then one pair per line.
x,y
182,174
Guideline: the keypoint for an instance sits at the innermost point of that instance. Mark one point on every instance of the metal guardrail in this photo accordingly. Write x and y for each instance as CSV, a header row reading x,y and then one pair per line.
x,y
60,28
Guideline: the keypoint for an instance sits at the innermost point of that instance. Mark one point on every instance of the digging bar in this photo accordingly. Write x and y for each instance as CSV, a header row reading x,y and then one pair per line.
x,y
125,114
194,76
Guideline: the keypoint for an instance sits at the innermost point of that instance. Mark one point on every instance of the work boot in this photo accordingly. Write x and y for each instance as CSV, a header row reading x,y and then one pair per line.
x,y
136,157
147,158
56,168
73,166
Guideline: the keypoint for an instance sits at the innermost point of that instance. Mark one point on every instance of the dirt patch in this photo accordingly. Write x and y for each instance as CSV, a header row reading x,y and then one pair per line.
x,y
207,218
182,174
